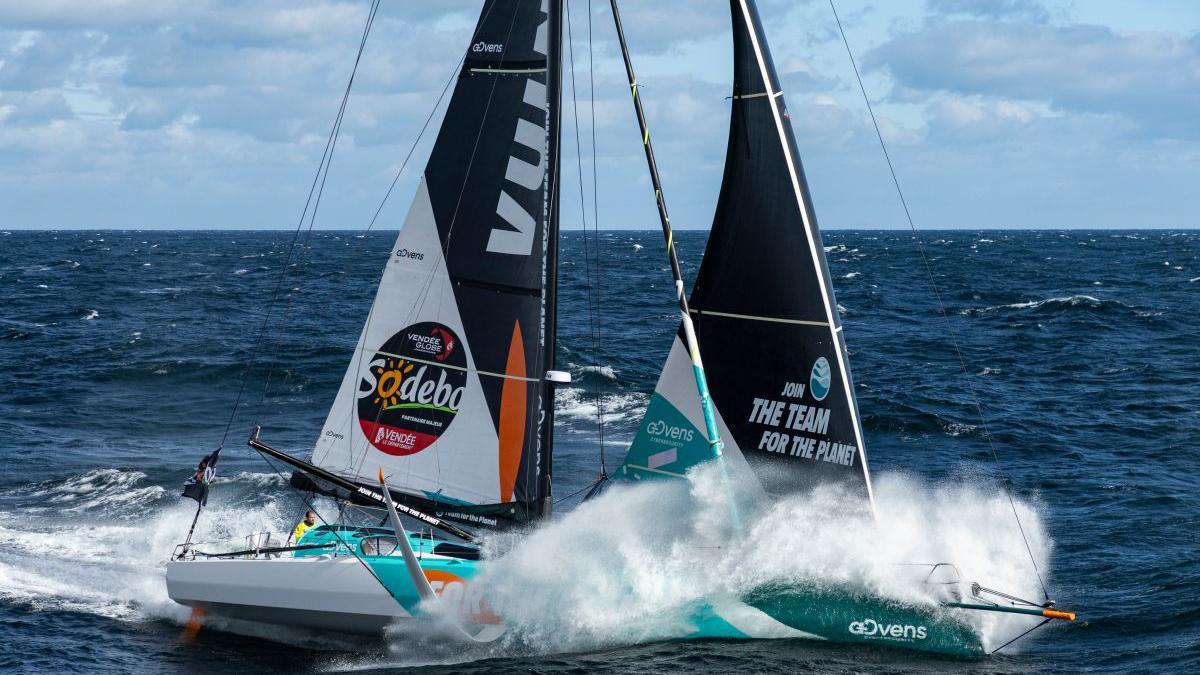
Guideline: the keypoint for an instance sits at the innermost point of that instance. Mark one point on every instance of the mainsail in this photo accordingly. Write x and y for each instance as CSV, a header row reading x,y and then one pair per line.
x,y
764,311
446,389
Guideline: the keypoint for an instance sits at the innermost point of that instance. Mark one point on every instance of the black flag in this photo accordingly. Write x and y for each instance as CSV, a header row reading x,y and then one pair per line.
x,y
196,487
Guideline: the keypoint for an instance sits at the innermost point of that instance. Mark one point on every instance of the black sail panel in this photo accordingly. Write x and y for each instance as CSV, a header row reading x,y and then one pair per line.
x,y
787,396
764,310
446,392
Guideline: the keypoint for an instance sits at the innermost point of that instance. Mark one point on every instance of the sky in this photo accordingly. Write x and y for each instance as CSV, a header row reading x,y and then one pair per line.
x,y
168,114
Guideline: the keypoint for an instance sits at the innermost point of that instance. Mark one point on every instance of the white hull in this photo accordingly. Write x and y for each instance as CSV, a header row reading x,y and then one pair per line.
x,y
320,592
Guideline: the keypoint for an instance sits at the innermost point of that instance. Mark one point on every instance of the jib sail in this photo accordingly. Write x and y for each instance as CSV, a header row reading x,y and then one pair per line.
x,y
446,390
765,314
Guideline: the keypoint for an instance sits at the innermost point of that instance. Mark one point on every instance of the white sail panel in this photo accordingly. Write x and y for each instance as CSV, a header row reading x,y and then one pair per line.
x,y
411,401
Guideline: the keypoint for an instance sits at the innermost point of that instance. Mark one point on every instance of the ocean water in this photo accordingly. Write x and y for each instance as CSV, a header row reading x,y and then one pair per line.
x,y
121,354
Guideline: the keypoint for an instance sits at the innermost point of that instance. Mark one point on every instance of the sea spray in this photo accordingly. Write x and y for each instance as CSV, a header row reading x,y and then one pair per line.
x,y
635,564
98,542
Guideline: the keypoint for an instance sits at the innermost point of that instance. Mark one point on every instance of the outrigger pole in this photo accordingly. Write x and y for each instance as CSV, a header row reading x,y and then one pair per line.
x,y
360,490
716,445
1031,611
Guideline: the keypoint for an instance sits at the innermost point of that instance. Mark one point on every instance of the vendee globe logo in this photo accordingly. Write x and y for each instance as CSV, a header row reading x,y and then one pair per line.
x,y
413,388
819,379
896,631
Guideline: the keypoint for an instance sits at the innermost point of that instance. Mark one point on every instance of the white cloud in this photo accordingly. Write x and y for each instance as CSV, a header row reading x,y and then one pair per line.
x,y
213,113
1152,79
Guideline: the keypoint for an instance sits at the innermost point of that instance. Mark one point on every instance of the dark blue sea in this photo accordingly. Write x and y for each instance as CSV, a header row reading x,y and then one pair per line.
x,y
122,352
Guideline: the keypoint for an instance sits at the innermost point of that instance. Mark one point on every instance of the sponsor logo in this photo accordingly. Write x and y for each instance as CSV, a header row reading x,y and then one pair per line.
x,y
411,255
519,214
663,430
408,398
819,379
439,343
487,47
459,595
896,631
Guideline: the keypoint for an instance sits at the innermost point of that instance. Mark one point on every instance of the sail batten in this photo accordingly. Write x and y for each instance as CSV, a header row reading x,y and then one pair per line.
x,y
446,392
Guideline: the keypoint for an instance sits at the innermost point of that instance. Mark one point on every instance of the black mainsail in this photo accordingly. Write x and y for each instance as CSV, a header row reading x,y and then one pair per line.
x,y
764,312
446,390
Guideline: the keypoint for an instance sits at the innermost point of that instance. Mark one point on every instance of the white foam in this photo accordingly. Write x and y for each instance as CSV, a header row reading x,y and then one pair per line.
x,y
574,403
99,542
625,568
606,372
632,565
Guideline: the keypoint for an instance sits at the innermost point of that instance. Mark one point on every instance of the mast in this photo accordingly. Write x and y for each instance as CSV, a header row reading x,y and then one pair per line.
x,y
553,94
714,438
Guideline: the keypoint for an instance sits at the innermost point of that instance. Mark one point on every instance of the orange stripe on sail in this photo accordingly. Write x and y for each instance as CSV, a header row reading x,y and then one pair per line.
x,y
512,415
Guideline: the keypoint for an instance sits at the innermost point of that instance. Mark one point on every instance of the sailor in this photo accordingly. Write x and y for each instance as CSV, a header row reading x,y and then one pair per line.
x,y
310,520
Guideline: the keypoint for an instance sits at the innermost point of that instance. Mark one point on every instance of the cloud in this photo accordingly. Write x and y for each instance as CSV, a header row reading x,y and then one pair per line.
x,y
214,113
1150,78
995,9
39,106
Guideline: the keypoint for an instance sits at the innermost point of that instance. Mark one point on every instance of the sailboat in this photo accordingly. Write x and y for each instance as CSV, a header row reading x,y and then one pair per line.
x,y
445,413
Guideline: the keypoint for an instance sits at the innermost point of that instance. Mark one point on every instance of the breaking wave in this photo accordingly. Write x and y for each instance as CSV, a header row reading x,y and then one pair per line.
x,y
573,403
1063,302
606,372
103,490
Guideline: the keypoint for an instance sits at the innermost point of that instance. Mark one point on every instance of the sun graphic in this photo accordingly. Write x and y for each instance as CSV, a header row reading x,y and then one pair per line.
x,y
388,378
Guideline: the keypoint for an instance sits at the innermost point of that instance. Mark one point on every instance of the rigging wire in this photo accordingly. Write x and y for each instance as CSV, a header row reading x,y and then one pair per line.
x,y
598,340
329,144
306,246
592,308
362,237
1035,627
1005,481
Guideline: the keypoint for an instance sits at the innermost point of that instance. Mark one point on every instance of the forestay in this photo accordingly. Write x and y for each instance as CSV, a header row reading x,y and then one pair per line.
x,y
765,314
446,389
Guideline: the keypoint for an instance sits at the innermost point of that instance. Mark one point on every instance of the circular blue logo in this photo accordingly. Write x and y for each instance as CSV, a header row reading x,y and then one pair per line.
x,y
818,381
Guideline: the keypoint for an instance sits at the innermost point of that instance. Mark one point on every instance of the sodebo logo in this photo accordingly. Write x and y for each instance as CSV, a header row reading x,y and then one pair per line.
x,y
661,428
872,628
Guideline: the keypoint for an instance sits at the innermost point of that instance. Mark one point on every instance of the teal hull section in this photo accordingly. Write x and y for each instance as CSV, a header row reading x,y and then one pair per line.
x,y
844,615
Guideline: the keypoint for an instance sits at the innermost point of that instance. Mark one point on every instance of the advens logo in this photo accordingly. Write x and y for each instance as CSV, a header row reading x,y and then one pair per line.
x,y
872,628
669,431
407,399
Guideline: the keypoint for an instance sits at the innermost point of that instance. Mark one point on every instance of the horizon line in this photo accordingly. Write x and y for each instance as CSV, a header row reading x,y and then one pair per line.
x,y
1099,228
